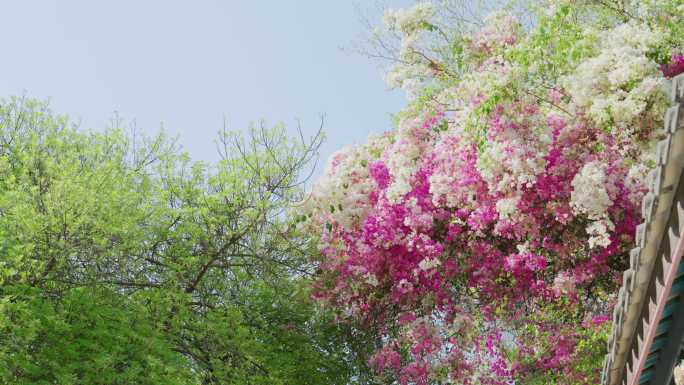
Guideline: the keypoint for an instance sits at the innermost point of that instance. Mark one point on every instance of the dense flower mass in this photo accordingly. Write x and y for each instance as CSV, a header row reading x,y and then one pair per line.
x,y
484,238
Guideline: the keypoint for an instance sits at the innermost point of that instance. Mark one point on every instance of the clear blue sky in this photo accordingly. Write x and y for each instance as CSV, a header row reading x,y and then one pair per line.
x,y
190,63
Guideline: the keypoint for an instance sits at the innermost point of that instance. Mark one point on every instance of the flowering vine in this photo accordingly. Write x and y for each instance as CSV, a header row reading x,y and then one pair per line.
x,y
484,238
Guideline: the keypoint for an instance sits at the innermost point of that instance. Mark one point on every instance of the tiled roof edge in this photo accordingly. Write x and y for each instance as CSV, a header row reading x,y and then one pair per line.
x,y
656,211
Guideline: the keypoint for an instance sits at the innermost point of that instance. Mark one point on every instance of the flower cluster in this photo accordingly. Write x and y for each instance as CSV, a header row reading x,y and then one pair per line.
x,y
410,24
501,29
483,238
674,67
620,83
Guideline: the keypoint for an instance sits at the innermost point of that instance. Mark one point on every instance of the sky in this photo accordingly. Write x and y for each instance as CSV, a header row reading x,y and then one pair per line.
x,y
189,64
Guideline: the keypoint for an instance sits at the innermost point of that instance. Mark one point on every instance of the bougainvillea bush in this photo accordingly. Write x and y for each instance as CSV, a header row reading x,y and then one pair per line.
x,y
483,240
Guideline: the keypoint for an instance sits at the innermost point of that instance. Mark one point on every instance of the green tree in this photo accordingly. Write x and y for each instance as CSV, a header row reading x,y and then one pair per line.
x,y
90,336
124,262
